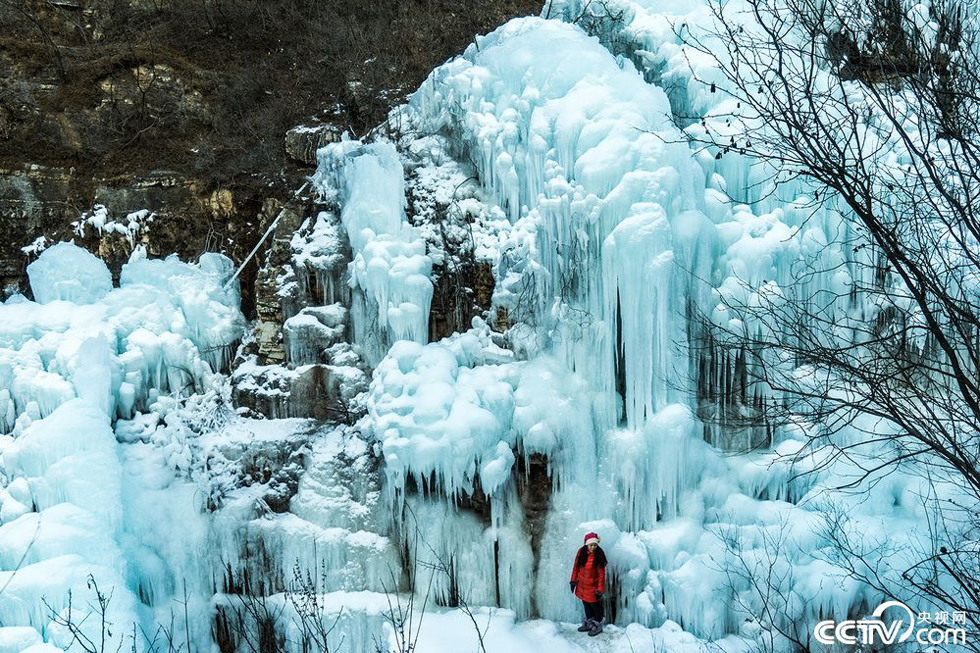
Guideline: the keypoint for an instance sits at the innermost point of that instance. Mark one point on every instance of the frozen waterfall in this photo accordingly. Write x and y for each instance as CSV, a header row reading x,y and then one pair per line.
x,y
469,466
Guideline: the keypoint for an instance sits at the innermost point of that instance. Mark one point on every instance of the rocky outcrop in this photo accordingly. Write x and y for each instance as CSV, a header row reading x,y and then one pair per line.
x,y
303,141
269,315
300,361
323,392
54,203
460,294
190,116
30,198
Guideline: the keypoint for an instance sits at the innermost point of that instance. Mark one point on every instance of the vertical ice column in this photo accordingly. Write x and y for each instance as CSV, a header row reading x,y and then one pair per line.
x,y
637,267
92,376
390,262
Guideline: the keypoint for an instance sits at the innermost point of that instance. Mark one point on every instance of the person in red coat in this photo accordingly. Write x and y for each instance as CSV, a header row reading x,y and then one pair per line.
x,y
589,582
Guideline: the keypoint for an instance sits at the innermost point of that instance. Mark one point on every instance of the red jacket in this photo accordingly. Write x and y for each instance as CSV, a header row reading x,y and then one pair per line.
x,y
590,579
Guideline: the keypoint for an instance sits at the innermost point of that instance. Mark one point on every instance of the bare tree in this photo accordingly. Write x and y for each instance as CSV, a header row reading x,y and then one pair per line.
x,y
761,585
298,619
251,622
33,12
867,112
87,638
440,565
313,620
404,615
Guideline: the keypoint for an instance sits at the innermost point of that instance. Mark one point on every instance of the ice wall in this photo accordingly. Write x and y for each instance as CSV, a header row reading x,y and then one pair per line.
x,y
168,327
68,498
125,465
583,154
620,233
71,364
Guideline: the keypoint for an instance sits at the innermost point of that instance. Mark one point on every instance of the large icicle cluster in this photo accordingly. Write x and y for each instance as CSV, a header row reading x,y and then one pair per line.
x,y
169,326
390,263
71,363
458,410
619,232
558,160
584,155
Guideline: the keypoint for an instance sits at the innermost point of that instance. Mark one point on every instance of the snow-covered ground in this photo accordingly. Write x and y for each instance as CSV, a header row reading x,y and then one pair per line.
x,y
453,632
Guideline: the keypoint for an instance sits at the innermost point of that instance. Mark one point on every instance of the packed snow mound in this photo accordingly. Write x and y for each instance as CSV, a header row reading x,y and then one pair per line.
x,y
70,273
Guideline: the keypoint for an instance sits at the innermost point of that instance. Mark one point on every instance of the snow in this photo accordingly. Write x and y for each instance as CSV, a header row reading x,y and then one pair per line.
x,y
14,639
449,632
37,246
130,227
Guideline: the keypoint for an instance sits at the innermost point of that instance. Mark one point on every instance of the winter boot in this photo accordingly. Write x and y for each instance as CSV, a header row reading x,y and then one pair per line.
x,y
596,628
586,626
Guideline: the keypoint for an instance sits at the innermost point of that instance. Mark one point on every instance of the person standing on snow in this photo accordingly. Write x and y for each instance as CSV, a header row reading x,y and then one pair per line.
x,y
589,582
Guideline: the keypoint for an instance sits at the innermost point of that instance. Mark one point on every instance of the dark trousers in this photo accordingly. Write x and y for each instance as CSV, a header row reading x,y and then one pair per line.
x,y
593,610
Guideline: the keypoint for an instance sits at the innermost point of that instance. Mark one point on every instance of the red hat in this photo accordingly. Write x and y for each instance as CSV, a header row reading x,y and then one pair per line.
x,y
591,538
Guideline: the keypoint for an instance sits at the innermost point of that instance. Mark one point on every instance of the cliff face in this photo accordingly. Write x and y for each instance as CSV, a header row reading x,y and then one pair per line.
x,y
186,110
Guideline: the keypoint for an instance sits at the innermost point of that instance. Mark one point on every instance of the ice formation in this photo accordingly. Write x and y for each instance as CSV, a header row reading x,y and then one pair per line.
x,y
130,227
617,229
81,357
558,160
390,262
70,273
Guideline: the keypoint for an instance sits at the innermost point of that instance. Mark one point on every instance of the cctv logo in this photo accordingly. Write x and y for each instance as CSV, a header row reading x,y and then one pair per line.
x,y
875,630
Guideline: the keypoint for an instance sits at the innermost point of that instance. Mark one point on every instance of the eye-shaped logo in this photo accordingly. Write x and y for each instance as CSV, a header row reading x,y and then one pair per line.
x,y
880,610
